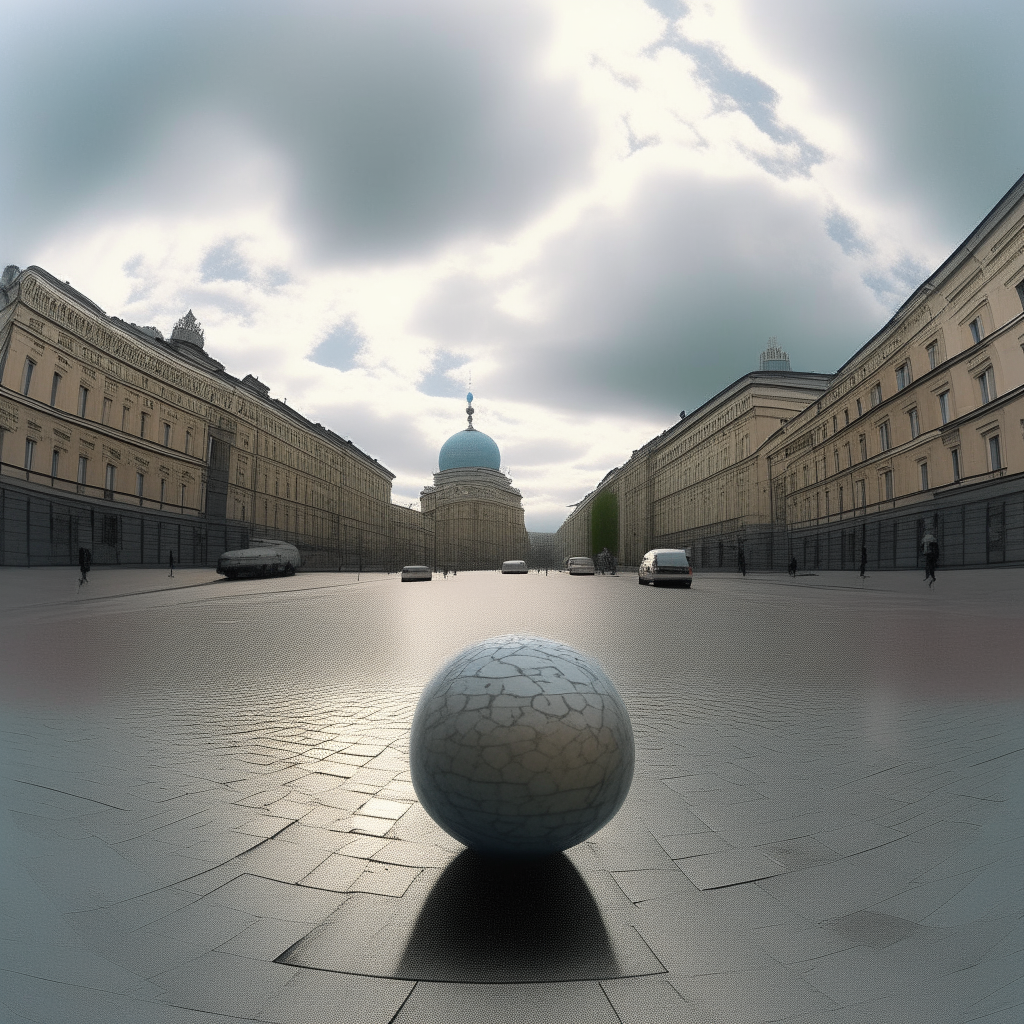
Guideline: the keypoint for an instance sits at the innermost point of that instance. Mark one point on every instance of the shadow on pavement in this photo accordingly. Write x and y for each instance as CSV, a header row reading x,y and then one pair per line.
x,y
495,920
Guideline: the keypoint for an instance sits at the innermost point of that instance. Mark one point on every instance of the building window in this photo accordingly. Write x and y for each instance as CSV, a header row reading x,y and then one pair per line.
x,y
956,464
140,484
83,469
30,453
863,447
188,442
977,331
924,476
994,455
26,375
142,424
903,377
54,389
987,383
167,435
841,499
846,417
108,484
862,493
860,408
915,423
182,498
55,465
835,425
83,400
883,437
105,414
876,395
163,492
944,406
1020,293
849,455
835,456
887,480
933,355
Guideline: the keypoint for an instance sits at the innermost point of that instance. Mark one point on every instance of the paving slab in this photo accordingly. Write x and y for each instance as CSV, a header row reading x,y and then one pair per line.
x,y
207,812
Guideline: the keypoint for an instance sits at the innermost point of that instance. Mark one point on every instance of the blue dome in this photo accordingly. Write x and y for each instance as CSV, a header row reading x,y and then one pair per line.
x,y
469,449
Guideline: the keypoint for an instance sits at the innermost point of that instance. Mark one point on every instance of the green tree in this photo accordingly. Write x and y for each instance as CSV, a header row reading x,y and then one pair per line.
x,y
604,523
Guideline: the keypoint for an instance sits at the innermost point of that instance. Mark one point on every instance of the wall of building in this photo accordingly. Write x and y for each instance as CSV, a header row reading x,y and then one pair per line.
x,y
922,429
106,420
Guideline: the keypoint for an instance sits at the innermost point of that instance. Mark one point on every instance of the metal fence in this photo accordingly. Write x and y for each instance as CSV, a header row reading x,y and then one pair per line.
x,y
982,527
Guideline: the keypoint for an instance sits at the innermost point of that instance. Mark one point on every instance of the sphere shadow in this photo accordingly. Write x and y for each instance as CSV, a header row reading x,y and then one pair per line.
x,y
493,920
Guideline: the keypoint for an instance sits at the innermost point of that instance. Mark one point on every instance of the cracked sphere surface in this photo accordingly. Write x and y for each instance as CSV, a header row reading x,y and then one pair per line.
x,y
521,746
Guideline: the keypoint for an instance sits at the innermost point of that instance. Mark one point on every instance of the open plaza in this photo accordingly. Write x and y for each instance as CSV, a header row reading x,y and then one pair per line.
x,y
207,811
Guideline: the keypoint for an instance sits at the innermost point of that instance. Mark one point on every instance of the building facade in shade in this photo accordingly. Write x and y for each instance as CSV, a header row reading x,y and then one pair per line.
x,y
920,432
475,514
702,478
132,445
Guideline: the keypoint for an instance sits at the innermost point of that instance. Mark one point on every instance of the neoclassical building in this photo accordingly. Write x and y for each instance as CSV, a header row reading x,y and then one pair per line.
x,y
920,432
473,512
115,438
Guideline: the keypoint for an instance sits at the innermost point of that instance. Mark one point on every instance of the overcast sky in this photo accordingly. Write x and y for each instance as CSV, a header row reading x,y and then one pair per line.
x,y
601,209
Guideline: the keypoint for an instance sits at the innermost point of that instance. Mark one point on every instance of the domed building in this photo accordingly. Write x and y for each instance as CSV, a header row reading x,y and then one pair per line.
x,y
477,514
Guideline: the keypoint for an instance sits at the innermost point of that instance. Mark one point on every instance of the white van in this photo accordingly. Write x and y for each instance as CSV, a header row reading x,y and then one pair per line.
x,y
513,566
260,558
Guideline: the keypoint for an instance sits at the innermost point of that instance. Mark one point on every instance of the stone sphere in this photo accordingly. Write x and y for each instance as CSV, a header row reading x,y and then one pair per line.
x,y
521,747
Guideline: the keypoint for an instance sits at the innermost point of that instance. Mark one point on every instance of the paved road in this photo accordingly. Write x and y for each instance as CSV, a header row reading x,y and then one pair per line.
x,y
208,813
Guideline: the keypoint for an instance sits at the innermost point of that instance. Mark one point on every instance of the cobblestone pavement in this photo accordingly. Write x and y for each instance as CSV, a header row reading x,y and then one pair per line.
x,y
206,810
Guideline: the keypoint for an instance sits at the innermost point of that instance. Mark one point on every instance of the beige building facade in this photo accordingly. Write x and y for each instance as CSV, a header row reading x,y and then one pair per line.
x,y
920,432
705,477
136,446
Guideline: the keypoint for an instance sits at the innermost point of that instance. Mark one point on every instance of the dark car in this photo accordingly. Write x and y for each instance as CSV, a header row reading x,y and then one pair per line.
x,y
668,566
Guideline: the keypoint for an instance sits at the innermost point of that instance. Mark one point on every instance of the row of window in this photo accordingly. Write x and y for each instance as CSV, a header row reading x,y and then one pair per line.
x,y
83,407
995,459
110,478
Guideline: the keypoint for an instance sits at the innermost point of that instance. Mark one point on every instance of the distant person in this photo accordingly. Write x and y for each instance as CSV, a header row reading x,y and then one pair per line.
x,y
444,573
863,561
792,566
84,564
931,559
743,562
614,563
171,560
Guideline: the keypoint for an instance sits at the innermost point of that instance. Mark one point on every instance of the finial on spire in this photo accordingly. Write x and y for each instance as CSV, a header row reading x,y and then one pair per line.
x,y
469,410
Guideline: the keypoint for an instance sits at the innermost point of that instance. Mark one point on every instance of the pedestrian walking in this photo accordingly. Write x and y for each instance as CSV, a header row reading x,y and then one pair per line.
x,y
171,560
792,566
84,565
743,562
930,546
863,560
614,563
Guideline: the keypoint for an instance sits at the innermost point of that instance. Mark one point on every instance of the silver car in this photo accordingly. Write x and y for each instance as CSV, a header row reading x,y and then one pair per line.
x,y
260,558
669,566
580,566
416,573
513,566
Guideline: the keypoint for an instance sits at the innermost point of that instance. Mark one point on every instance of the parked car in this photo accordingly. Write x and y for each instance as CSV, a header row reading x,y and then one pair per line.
x,y
580,566
416,573
665,565
513,565
260,558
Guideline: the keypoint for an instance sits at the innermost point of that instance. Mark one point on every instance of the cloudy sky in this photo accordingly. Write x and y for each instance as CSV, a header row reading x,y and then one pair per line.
x,y
601,209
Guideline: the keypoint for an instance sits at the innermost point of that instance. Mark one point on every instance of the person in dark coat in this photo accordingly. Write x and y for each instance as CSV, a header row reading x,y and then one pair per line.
x,y
863,560
171,560
743,562
931,558
792,566
84,564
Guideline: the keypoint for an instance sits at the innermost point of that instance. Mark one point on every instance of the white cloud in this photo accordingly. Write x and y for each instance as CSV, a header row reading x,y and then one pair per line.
x,y
601,211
